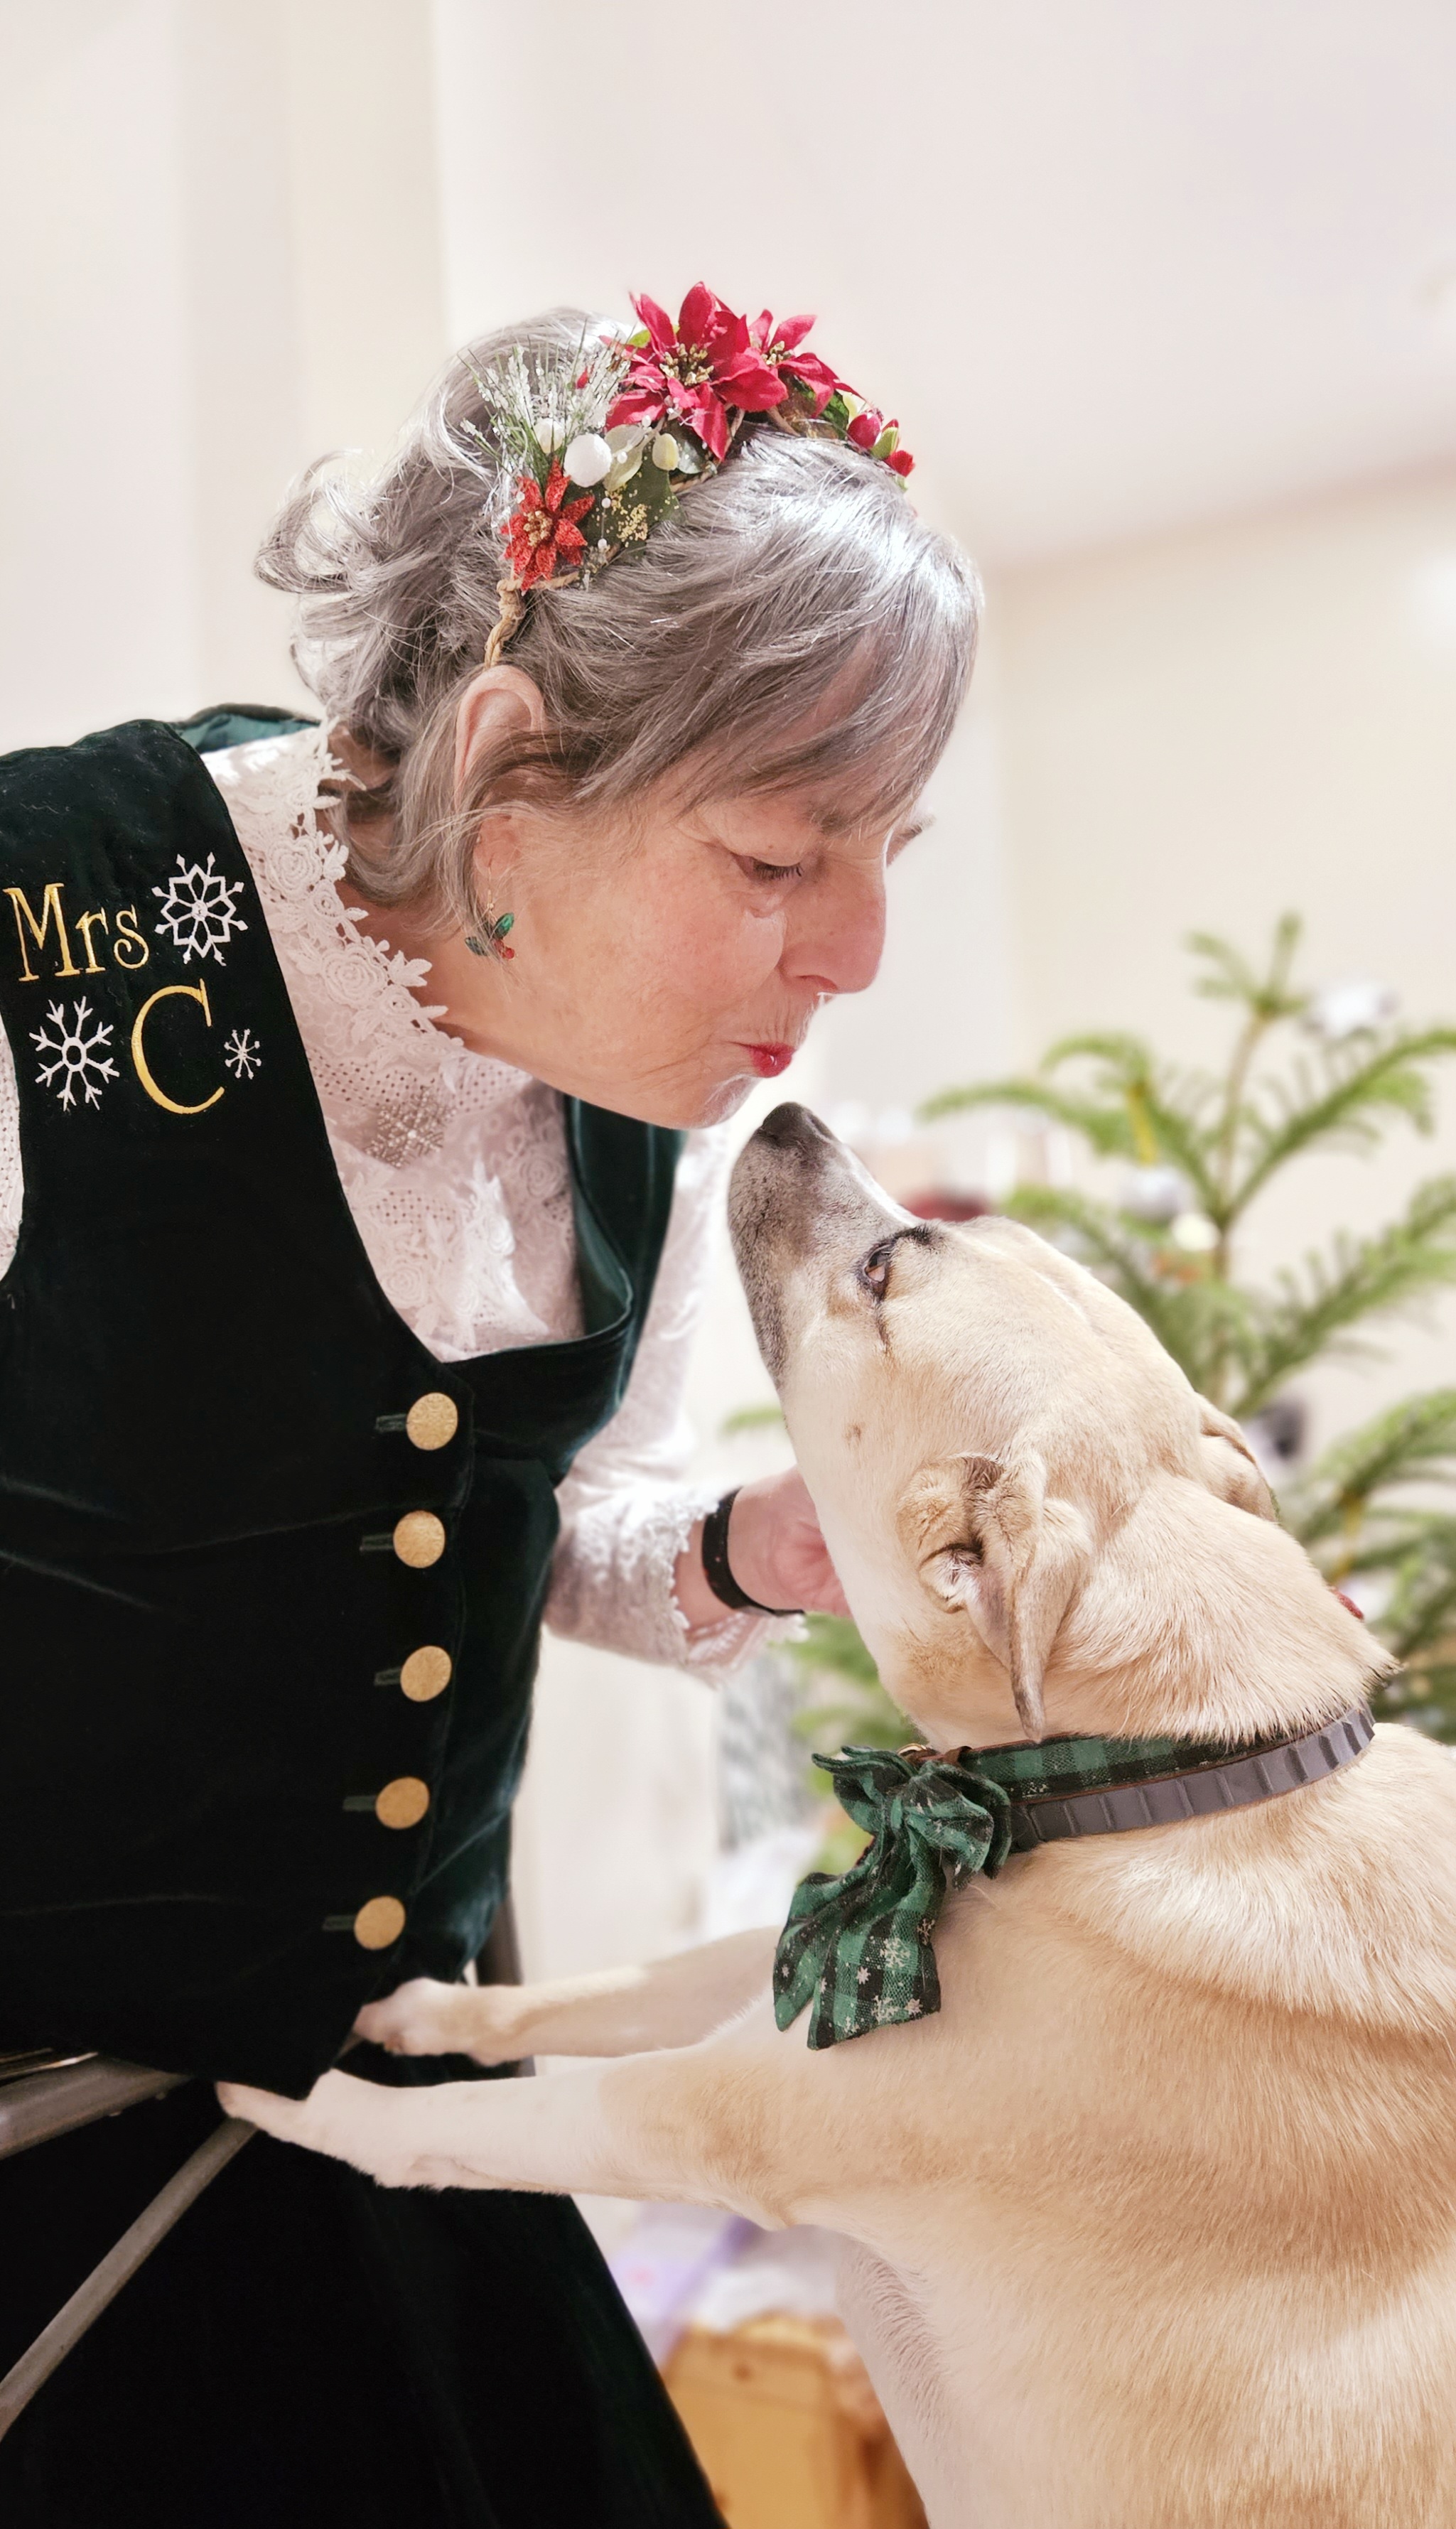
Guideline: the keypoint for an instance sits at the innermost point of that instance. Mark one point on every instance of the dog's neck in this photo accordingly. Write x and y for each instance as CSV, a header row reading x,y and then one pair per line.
x,y
1198,1622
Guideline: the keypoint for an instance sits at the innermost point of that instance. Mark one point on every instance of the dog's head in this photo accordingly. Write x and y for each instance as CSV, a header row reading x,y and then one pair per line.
x,y
982,1424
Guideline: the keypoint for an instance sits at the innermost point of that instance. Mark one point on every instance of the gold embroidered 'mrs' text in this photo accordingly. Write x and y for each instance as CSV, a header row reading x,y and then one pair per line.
x,y
34,931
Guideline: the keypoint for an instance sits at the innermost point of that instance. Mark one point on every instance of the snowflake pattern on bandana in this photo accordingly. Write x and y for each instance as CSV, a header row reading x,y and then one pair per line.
x,y
198,909
858,1948
76,1060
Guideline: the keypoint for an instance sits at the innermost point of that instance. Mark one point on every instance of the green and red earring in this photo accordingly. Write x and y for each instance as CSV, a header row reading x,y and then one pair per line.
x,y
489,941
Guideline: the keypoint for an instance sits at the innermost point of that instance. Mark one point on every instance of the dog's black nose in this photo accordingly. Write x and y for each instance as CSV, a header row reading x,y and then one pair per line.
x,y
790,1124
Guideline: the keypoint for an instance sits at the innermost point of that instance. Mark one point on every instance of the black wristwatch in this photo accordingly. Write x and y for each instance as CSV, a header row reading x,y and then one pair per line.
x,y
717,1569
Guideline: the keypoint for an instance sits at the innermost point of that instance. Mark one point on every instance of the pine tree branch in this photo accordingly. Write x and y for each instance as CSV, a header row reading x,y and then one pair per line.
x,y
1125,1057
1105,1128
1421,1611
834,1654
1371,1277
751,1418
1410,1442
1346,1112
1131,1111
1150,1095
1265,1003
1233,978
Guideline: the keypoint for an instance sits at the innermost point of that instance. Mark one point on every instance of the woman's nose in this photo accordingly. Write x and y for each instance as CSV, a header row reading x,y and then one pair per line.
x,y
837,945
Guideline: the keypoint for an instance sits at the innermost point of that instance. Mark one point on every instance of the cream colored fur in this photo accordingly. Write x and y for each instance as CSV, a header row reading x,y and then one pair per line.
x,y
1155,2221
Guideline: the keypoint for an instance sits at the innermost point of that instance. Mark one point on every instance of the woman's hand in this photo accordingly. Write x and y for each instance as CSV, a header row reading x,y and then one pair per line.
x,y
776,1551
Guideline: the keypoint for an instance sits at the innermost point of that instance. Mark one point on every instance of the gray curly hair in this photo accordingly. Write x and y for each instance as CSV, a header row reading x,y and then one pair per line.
x,y
792,626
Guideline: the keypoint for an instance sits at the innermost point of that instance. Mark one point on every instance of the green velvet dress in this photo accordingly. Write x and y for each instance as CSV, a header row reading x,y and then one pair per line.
x,y
271,1585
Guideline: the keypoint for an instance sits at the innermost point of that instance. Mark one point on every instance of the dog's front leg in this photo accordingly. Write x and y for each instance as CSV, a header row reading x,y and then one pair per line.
x,y
668,2126
621,2011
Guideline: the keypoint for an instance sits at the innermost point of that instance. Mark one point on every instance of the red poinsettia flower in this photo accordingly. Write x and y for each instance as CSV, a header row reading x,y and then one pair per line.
x,y
542,536
868,429
776,342
702,369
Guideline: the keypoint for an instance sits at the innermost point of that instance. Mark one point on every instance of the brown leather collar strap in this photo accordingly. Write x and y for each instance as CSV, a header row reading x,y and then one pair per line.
x,y
1204,1791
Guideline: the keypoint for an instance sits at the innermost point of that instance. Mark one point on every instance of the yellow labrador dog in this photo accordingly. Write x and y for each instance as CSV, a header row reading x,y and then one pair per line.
x,y
1152,2222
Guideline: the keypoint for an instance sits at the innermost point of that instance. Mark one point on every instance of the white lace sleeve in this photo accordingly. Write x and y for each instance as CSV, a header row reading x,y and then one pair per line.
x,y
627,1508
12,1186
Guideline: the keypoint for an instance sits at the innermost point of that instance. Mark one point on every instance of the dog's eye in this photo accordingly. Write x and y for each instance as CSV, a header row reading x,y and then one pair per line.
x,y
874,1271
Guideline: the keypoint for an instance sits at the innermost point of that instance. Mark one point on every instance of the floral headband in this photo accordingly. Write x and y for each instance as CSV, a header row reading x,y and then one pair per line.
x,y
603,439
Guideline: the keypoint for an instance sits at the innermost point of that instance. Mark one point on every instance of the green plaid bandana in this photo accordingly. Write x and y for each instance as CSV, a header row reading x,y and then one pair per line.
x,y
858,1949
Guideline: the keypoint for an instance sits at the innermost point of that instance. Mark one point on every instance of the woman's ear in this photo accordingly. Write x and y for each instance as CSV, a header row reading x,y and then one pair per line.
x,y
987,1538
501,702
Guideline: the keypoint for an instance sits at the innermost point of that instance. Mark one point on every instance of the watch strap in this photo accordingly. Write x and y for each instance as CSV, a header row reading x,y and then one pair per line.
x,y
717,1569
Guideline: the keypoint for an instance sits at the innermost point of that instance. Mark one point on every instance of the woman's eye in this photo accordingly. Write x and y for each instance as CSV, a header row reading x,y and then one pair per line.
x,y
768,870
874,1271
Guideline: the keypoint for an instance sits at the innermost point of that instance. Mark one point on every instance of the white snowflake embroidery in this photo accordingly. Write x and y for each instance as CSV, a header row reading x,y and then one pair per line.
x,y
241,1054
78,1061
862,1975
884,2011
913,2008
198,909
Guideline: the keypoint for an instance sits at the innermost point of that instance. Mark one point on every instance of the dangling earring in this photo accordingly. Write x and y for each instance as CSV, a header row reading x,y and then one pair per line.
x,y
494,926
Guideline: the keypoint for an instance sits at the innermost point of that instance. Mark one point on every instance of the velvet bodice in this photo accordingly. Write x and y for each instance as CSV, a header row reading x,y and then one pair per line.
x,y
271,1576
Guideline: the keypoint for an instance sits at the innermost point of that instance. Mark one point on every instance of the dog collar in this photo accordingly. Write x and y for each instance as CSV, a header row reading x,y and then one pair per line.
x,y
859,1948
1061,1787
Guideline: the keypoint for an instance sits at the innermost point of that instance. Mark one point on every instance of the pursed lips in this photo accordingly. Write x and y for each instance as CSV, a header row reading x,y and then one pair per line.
x,y
769,1060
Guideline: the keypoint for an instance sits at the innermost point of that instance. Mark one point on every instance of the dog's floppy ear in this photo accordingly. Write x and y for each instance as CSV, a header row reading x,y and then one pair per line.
x,y
985,1538
1230,1467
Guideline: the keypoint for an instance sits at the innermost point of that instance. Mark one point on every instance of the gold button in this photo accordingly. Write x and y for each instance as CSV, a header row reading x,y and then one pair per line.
x,y
404,1801
432,1419
426,1673
419,1539
378,1923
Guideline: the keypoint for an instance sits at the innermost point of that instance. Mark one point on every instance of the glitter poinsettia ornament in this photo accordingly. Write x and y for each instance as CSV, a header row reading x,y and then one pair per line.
x,y
542,535
705,369
777,340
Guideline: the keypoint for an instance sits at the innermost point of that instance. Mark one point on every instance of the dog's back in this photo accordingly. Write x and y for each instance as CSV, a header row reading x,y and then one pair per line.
x,y
1182,2156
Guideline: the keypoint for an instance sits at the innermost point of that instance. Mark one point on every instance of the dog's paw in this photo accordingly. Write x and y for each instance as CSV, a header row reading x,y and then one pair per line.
x,y
424,2017
421,2018
346,2119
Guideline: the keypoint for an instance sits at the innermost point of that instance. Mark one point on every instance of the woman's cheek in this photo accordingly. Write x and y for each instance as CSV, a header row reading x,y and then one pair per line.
x,y
744,952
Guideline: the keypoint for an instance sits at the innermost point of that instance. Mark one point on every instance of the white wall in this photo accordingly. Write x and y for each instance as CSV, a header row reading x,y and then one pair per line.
x,y
1200,731
220,257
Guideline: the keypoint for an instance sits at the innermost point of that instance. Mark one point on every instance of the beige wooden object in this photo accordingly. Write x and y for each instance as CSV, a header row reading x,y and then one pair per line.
x,y
788,2430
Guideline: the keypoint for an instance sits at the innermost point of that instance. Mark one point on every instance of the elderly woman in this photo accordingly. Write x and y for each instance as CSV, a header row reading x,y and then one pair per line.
x,y
356,1164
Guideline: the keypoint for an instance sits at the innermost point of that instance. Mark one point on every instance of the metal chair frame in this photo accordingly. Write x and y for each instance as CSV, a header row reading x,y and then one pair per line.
x,y
56,2096
35,2108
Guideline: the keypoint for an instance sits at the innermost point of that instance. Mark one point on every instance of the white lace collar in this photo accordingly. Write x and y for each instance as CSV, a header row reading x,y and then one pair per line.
x,y
454,1164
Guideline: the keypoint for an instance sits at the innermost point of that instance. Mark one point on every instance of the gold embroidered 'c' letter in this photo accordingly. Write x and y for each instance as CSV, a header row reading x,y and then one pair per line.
x,y
169,991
